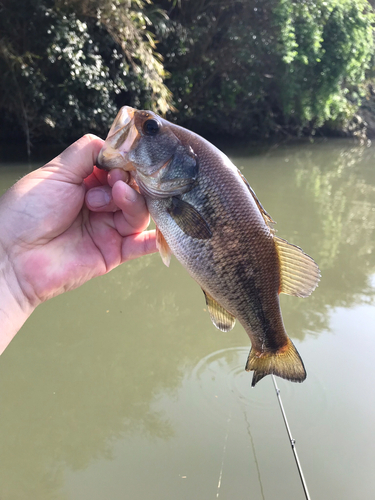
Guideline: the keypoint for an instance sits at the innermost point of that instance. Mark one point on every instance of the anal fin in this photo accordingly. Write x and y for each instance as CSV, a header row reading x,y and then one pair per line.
x,y
162,246
220,317
285,363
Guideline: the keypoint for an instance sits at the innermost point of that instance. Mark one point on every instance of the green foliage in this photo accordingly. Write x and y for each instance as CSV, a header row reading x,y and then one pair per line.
x,y
325,49
242,68
67,66
251,67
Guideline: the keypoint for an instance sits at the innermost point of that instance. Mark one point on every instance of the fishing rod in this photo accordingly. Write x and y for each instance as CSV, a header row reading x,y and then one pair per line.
x,y
291,440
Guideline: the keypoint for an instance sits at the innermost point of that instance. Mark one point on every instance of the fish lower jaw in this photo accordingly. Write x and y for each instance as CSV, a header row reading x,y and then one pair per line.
x,y
114,153
109,158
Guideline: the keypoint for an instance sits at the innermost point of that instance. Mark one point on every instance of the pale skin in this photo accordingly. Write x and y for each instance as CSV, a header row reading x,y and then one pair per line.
x,y
62,225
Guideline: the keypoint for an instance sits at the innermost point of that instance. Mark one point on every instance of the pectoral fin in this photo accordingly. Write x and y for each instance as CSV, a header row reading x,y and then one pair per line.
x,y
299,273
220,317
162,246
189,219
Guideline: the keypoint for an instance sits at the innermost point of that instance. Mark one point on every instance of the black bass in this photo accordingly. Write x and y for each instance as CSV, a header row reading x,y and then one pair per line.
x,y
208,216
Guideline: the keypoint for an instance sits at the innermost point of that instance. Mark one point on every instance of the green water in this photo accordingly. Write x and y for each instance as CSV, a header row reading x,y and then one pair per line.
x,y
123,389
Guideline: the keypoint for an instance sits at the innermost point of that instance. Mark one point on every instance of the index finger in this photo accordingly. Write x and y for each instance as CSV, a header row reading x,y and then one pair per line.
x,y
96,178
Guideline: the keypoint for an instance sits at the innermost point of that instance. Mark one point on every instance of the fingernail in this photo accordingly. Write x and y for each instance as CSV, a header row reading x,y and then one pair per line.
x,y
131,195
98,198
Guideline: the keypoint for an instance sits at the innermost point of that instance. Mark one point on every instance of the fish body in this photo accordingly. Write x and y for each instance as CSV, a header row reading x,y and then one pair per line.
x,y
208,216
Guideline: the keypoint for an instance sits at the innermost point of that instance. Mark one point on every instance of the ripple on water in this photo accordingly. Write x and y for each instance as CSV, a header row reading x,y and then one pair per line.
x,y
220,382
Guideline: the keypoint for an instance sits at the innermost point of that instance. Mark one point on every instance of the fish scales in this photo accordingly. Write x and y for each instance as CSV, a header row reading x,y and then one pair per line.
x,y
211,220
230,265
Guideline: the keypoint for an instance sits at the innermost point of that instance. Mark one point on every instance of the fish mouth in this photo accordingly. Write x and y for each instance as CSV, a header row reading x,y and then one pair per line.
x,y
120,140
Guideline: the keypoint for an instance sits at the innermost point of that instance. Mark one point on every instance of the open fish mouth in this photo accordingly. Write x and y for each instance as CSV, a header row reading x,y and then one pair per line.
x,y
120,140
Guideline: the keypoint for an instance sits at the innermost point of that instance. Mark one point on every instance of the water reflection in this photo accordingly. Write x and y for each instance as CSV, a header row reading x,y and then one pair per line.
x,y
87,370
125,370
326,205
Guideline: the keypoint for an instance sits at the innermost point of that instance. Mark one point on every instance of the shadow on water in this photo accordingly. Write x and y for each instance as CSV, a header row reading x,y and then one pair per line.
x,y
89,367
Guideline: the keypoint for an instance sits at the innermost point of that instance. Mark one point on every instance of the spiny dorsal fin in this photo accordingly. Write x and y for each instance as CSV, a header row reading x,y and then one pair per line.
x,y
299,273
266,216
286,363
220,317
189,219
162,246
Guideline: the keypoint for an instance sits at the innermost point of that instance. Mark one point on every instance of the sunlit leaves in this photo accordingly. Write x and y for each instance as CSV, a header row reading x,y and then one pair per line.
x,y
242,68
67,65
326,47
281,66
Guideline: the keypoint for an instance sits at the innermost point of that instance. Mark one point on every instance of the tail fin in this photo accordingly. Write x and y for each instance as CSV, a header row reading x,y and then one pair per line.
x,y
286,363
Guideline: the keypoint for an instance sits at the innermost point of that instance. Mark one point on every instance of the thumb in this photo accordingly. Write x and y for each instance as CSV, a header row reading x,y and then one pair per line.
x,y
77,161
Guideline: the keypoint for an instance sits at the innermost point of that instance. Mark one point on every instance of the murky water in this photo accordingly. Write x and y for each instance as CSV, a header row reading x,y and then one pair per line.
x,y
123,389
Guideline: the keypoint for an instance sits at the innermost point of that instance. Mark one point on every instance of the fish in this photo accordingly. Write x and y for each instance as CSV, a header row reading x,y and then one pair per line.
x,y
208,216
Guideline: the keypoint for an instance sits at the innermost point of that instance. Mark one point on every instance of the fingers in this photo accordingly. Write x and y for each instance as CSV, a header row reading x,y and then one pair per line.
x,y
77,161
134,216
117,174
131,215
101,177
137,245
99,199
97,178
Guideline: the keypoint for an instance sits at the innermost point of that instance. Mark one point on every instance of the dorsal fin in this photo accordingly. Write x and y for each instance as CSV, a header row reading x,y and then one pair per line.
x,y
162,246
266,216
299,273
220,317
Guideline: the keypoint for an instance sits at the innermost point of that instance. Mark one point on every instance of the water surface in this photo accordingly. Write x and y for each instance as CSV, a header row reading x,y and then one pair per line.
x,y
123,389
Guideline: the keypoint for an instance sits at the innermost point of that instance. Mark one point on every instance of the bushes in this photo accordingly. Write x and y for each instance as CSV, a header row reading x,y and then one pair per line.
x,y
326,48
256,68
247,68
66,66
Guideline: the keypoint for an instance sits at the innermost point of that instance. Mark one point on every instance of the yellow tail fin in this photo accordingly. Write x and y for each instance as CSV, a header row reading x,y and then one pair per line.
x,y
286,363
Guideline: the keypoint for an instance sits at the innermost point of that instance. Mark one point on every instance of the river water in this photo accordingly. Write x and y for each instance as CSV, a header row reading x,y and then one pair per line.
x,y
123,389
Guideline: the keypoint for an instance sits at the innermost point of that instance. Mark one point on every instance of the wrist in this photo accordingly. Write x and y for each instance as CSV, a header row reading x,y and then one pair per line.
x,y
15,308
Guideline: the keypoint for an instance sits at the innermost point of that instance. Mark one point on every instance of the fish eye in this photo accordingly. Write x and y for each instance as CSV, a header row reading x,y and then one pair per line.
x,y
151,127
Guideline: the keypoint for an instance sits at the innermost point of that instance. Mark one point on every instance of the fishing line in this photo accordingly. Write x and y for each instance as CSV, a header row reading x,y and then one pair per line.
x,y
224,451
291,440
255,455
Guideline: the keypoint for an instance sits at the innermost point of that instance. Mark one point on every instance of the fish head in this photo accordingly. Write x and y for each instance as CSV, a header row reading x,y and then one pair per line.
x,y
146,145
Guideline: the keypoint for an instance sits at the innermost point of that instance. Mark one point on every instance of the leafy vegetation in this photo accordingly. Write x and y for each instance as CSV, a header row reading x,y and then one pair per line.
x,y
253,67
67,65
247,68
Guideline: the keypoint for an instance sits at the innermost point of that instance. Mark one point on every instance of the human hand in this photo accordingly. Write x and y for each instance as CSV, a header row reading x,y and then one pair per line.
x,y
68,222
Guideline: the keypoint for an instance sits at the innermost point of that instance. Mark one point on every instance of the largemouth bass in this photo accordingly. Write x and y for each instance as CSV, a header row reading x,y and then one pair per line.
x,y
208,216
